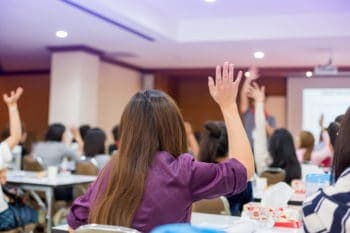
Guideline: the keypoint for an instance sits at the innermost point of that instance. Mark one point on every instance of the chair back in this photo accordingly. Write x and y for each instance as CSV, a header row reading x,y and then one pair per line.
x,y
98,228
212,206
86,168
32,164
273,175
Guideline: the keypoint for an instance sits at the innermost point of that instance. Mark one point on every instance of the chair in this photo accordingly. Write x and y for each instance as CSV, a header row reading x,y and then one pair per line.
x,y
97,228
212,206
87,168
273,175
32,164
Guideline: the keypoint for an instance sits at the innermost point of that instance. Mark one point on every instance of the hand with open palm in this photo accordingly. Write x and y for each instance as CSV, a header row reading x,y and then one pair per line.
x,y
225,88
12,99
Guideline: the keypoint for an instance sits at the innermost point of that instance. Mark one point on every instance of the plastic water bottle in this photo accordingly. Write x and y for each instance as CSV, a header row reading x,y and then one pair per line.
x,y
65,166
314,182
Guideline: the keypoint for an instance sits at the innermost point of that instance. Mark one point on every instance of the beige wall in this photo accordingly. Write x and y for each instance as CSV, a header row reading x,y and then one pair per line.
x,y
116,86
276,106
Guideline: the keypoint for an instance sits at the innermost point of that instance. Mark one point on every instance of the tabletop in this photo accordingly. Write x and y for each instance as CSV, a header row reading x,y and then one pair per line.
x,y
33,178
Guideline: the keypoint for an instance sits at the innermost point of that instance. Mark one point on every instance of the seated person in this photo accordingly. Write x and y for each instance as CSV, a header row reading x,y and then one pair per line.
x,y
114,146
280,149
153,181
306,143
213,149
94,148
55,147
328,209
12,215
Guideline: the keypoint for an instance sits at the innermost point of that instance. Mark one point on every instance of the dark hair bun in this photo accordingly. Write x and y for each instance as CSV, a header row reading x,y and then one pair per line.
x,y
214,129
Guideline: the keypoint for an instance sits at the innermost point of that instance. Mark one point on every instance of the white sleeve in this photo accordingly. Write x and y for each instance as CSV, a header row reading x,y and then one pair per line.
x,y
260,138
5,152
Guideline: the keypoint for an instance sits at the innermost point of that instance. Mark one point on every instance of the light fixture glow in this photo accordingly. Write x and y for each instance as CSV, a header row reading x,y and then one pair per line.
x,y
247,74
259,55
210,0
308,74
61,34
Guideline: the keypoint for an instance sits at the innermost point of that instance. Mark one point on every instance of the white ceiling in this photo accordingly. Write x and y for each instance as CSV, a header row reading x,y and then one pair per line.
x,y
187,33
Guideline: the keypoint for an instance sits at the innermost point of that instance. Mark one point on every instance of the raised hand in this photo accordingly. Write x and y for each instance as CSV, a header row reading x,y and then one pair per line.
x,y
253,73
225,88
256,93
14,96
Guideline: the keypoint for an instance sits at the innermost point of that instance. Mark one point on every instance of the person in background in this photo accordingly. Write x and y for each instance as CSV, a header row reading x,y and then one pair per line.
x,y
55,147
247,108
11,213
95,148
114,146
83,129
192,142
214,149
328,209
151,181
280,147
306,143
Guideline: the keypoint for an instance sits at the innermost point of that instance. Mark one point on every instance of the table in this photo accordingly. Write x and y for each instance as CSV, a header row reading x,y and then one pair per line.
x,y
222,222
297,198
31,182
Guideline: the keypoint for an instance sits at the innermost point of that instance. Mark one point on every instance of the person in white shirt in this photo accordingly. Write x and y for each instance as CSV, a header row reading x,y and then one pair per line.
x,y
12,215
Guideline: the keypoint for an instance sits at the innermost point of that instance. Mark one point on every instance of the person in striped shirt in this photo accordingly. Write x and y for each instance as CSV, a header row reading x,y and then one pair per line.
x,y
328,210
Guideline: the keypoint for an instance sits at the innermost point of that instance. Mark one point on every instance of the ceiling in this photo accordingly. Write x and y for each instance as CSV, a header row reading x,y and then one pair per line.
x,y
178,33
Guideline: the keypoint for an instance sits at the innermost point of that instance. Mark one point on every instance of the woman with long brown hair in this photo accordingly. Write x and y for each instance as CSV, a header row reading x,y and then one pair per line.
x,y
152,181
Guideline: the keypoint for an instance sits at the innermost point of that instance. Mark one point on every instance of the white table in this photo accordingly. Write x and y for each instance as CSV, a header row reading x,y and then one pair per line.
x,y
31,182
220,222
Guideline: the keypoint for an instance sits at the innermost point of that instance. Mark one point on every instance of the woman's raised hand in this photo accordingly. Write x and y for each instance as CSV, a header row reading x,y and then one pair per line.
x,y
225,88
14,96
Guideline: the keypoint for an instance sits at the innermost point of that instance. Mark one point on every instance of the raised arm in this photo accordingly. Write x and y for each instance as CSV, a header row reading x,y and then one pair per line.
x,y
224,91
76,135
260,135
15,121
244,103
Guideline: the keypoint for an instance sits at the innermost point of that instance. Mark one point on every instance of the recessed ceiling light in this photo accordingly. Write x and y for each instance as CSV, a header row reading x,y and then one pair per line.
x,y
259,55
308,74
61,34
247,74
210,0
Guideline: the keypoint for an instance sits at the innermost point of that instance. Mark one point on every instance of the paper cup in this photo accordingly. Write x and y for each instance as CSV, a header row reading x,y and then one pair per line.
x,y
52,172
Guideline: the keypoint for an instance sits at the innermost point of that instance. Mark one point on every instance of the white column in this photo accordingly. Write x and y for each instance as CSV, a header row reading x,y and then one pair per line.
x,y
74,88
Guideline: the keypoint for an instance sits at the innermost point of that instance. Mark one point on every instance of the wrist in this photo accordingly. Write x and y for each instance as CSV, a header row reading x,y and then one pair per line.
x,y
231,108
12,107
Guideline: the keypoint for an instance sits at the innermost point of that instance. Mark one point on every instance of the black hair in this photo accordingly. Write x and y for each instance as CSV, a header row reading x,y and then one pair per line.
x,y
333,130
55,132
94,142
115,132
339,118
282,151
83,130
214,142
341,159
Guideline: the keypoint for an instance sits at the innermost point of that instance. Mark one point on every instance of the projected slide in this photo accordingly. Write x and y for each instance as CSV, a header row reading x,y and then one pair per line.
x,y
330,102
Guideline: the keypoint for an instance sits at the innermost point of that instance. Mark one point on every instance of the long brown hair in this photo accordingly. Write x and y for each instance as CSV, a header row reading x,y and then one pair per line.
x,y
150,122
341,159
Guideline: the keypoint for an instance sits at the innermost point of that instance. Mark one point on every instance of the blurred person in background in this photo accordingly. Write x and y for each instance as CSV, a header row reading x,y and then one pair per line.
x,y
114,146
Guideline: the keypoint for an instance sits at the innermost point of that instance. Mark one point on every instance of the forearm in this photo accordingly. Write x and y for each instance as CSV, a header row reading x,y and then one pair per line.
x,y
260,138
239,147
15,126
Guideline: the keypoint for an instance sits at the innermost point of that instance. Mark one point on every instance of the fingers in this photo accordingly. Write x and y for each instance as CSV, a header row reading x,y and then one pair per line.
x,y
19,92
263,89
225,72
211,85
255,85
218,78
230,72
238,78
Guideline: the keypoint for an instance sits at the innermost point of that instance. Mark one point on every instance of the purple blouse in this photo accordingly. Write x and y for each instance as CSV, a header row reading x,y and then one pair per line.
x,y
172,185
